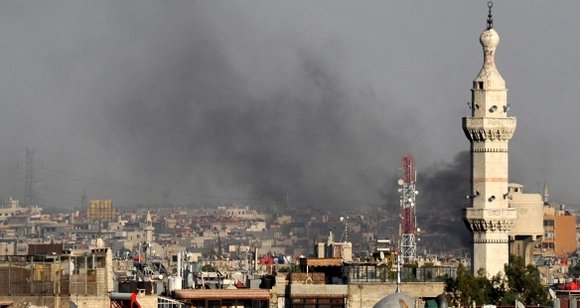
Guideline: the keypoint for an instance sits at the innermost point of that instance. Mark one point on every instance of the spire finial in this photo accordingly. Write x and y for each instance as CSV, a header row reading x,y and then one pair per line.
x,y
489,16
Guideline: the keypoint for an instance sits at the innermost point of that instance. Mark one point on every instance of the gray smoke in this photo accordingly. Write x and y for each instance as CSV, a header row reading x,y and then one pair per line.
x,y
316,139
168,100
173,103
306,103
207,104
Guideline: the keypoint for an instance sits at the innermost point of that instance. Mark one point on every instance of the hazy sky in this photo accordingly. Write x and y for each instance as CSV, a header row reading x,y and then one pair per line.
x,y
253,101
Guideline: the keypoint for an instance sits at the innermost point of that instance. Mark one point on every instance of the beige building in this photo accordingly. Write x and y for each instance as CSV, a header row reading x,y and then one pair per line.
x,y
71,279
489,130
243,213
528,229
10,208
101,210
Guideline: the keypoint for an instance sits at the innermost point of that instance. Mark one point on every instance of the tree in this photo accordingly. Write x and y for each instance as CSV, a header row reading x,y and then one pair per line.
x,y
519,282
208,268
524,283
574,271
466,288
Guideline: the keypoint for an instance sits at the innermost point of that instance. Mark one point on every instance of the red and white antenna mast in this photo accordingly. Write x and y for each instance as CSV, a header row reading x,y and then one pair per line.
x,y
408,227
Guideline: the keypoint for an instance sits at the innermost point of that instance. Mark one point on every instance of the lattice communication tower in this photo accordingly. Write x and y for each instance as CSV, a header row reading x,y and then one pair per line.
x,y
408,227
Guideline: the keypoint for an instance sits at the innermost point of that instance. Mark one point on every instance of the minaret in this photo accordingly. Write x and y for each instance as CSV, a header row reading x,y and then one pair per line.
x,y
489,130
546,196
149,228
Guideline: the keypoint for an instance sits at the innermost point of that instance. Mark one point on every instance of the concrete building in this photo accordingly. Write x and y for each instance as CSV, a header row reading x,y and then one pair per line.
x,y
528,229
564,233
243,213
67,279
560,233
10,208
560,237
100,210
489,130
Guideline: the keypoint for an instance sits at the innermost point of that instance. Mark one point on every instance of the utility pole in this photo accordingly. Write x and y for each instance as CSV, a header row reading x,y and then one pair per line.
x,y
29,194
84,200
165,195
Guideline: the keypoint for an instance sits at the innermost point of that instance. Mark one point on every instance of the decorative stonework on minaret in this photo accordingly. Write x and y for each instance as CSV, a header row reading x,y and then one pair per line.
x,y
489,130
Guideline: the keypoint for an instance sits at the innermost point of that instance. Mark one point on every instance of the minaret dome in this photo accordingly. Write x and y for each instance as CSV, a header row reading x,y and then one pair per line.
x,y
489,77
489,39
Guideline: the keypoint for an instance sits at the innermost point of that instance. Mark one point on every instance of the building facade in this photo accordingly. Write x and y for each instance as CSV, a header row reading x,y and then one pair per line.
x,y
67,279
100,210
559,233
528,229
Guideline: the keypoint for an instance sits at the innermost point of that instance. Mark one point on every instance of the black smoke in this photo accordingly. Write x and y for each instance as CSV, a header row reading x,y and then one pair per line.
x,y
317,139
198,103
443,188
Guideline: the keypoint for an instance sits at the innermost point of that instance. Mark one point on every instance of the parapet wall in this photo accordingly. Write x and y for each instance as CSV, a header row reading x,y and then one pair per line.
x,y
362,295
57,301
367,295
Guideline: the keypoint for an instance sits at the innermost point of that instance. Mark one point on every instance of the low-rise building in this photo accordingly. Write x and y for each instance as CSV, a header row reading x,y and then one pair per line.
x,y
100,210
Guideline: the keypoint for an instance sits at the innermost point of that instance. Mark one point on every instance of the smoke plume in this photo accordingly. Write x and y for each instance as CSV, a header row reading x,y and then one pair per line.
x,y
442,197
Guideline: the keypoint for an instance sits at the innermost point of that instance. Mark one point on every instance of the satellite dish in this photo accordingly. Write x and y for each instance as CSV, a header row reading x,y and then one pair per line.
x,y
382,255
400,182
552,293
519,304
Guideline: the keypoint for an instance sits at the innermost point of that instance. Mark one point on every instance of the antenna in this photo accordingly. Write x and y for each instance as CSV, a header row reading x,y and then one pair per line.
x,y
344,237
398,274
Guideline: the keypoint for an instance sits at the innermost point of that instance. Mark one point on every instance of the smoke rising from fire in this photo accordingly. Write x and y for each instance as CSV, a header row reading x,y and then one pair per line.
x,y
300,103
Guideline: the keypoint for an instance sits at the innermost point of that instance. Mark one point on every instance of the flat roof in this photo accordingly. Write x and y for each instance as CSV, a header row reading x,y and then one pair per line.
x,y
324,261
215,294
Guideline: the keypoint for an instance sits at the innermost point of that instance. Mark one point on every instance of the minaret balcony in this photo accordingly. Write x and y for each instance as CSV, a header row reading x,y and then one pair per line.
x,y
492,129
483,220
